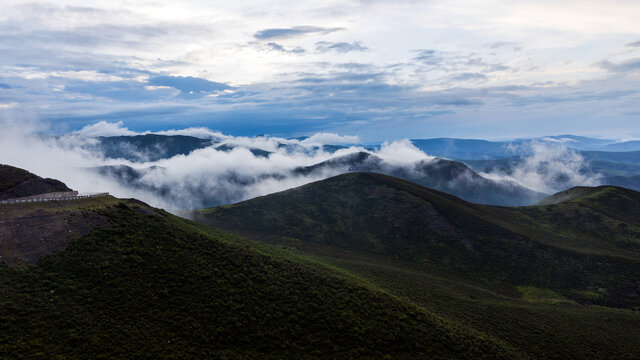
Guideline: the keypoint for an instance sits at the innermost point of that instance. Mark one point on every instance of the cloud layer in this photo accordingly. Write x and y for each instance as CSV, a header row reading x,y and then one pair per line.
x,y
269,34
224,173
382,70
234,168
548,167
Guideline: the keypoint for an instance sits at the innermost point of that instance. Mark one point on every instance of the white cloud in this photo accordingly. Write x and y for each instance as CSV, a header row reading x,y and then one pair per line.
x,y
209,176
8,105
204,177
560,45
330,138
104,128
199,132
401,152
549,168
558,140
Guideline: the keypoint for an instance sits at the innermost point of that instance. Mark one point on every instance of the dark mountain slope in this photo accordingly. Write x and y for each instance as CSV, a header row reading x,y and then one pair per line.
x,y
575,193
149,147
127,175
344,221
358,161
456,178
15,183
146,284
255,151
603,220
445,175
391,217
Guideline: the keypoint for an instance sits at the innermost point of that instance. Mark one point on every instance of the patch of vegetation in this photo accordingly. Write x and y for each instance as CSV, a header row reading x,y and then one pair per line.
x,y
531,293
589,294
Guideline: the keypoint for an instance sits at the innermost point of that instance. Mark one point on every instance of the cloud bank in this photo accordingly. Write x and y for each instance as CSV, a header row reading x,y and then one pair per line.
x,y
230,168
385,71
268,34
548,167
227,171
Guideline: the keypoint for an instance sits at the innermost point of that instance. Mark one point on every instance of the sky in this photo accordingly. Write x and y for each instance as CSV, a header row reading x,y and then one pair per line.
x,y
378,70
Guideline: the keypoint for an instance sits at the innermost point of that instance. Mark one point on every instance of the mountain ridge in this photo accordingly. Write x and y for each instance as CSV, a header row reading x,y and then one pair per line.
x,y
17,183
444,175
392,217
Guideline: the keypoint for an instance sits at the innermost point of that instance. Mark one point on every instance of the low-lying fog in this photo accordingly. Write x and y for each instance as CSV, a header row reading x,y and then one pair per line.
x,y
236,174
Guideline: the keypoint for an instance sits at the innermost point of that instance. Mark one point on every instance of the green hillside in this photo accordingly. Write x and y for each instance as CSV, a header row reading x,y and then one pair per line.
x,y
483,266
509,246
602,220
146,284
369,267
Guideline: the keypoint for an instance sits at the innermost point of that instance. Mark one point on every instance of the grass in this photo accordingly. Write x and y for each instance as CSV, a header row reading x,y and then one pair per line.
x,y
532,293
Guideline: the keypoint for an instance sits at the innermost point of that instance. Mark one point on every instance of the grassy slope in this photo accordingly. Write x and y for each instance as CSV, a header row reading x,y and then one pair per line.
x,y
153,285
332,224
603,220
392,217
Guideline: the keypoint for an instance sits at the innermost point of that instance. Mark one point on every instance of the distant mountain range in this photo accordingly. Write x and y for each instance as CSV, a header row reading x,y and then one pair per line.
x,y
623,146
454,177
149,147
471,149
629,182
445,175
608,168
152,147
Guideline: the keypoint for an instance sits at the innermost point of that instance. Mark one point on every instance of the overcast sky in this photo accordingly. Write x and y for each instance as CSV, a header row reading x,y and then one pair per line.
x,y
381,70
